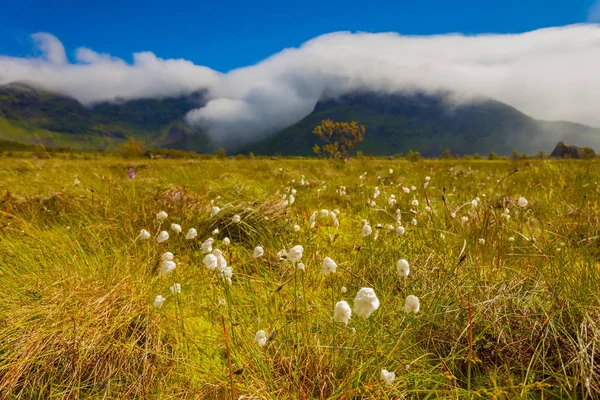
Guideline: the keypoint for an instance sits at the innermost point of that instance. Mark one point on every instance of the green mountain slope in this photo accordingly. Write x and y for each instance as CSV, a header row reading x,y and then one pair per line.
x,y
31,115
427,123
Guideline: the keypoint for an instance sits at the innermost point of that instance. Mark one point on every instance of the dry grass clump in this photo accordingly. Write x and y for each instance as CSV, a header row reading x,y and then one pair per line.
x,y
73,341
81,341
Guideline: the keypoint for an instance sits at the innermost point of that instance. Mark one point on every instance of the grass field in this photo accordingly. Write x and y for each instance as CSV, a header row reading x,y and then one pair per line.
x,y
509,293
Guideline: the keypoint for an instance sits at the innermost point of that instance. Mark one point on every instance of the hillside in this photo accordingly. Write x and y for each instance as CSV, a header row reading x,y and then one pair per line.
x,y
32,115
395,124
429,124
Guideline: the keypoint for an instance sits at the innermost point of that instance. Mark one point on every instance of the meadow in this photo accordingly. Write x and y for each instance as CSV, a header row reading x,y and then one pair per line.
x,y
498,295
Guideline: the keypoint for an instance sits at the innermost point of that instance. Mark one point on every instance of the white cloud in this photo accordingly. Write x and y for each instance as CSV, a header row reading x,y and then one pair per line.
x,y
549,74
97,77
51,47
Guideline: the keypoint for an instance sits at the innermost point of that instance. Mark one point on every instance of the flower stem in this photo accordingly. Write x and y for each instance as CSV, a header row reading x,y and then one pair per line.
x,y
372,326
296,343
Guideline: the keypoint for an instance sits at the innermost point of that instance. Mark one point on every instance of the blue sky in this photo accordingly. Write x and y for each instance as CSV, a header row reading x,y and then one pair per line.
x,y
227,34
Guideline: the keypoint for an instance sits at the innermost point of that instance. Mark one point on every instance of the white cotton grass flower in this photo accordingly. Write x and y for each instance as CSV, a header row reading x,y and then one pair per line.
x,y
176,228
258,252
412,304
414,221
76,182
226,241
376,235
167,266
175,288
221,262
295,254
464,219
343,289
474,203
389,227
442,236
296,228
392,201
400,230
366,230
376,193
144,234
301,267
402,267
158,301
481,241
387,377
406,190
191,234
522,202
511,239
161,215
211,262
413,188
328,266
452,215
365,302
207,245
162,237
342,312
293,192
415,203
226,273
214,211
427,208
261,338
324,213
236,219
168,256
292,199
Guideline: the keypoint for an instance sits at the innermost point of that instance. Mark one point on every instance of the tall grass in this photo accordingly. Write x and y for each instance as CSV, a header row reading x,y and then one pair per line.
x,y
503,319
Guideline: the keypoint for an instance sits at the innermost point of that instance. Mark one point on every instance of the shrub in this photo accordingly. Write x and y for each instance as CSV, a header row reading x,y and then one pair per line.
x,y
132,149
413,156
221,153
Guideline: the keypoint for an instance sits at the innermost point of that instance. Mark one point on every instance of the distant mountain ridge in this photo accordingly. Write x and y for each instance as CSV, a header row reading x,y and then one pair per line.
x,y
429,124
395,123
31,115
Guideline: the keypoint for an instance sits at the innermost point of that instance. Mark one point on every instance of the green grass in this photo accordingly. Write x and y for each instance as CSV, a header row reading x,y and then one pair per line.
x,y
19,132
504,320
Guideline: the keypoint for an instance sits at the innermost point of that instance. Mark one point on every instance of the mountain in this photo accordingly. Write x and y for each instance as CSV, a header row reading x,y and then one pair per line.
x,y
429,124
394,124
32,115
